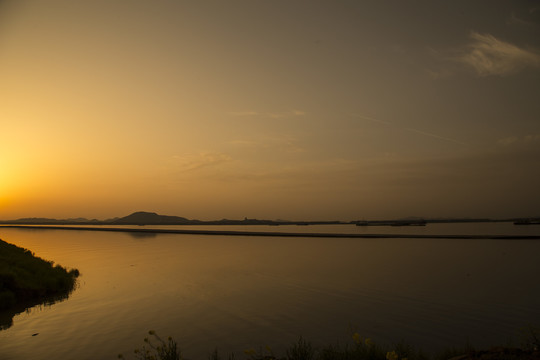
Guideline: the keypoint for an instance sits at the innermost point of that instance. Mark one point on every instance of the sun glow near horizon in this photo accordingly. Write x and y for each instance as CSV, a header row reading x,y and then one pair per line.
x,y
267,110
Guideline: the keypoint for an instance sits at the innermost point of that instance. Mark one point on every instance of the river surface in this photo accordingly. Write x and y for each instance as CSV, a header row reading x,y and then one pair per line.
x,y
235,293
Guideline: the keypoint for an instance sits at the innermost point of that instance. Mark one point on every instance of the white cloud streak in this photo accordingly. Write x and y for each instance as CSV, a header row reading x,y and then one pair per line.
x,y
488,55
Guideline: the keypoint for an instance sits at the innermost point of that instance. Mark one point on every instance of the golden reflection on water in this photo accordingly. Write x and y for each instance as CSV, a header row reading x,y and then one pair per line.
x,y
240,292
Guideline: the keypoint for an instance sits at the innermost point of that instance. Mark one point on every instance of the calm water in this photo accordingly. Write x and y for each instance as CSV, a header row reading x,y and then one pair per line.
x,y
241,292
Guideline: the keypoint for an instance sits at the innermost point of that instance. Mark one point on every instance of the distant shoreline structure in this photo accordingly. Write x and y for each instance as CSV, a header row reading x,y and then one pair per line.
x,y
152,218
273,233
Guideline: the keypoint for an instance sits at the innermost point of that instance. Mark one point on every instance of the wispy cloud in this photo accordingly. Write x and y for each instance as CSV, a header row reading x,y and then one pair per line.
x,y
284,142
507,141
243,113
190,162
409,129
525,17
514,140
243,143
271,115
373,119
488,55
517,20
435,136
299,174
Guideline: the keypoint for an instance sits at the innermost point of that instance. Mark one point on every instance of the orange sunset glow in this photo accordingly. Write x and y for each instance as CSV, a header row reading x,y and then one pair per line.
x,y
269,109
269,179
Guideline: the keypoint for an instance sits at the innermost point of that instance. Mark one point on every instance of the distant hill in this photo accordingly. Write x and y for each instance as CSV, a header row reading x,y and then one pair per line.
x,y
36,221
47,221
150,218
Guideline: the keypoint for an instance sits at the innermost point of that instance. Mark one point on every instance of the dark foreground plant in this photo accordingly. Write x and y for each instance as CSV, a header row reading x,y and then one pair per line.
x,y
302,350
530,338
359,349
157,349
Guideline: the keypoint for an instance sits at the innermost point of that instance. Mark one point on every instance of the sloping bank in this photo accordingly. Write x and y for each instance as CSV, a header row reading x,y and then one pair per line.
x,y
27,280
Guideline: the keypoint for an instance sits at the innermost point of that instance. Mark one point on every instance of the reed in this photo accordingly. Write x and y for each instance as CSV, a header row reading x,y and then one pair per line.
x,y
357,348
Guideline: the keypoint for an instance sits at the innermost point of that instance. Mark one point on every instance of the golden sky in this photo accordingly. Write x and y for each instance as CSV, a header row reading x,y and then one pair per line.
x,y
269,109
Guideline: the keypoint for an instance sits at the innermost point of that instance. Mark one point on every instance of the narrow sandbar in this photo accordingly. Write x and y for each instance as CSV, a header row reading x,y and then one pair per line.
x,y
276,233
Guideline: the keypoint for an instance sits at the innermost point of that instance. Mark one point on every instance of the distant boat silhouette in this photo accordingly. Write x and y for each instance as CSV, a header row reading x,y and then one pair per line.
x,y
392,223
527,222
409,223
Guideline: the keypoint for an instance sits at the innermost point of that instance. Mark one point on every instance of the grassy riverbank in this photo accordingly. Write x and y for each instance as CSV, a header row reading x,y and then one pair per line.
x,y
25,278
356,348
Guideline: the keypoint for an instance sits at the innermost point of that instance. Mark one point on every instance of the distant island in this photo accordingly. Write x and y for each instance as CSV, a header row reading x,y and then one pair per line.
x,y
141,218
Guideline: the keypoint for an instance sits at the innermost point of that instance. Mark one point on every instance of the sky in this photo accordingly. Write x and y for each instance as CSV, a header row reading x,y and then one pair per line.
x,y
270,109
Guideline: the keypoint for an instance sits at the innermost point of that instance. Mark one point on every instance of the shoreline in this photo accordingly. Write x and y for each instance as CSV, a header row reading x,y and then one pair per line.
x,y
27,280
274,233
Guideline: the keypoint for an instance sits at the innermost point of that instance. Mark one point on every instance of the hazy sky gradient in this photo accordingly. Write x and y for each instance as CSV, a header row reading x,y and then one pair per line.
x,y
270,109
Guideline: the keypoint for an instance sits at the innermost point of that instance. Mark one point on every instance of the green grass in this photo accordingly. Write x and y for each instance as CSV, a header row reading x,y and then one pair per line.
x,y
26,278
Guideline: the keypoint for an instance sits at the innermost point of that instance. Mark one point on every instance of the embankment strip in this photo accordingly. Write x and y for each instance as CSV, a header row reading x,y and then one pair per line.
x,y
275,233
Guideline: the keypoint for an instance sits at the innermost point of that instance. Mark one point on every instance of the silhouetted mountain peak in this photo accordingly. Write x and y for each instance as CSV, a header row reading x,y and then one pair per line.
x,y
143,213
150,218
